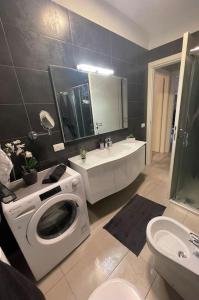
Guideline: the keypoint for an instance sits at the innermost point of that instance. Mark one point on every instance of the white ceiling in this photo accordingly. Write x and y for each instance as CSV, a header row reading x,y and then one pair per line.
x,y
162,20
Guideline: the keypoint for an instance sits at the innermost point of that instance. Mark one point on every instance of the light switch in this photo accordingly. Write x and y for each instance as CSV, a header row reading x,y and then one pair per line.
x,y
58,147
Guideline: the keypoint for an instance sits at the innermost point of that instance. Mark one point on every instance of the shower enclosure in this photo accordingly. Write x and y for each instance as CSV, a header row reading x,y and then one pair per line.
x,y
185,156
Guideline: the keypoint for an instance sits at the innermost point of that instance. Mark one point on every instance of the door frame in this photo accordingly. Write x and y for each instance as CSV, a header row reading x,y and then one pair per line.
x,y
152,67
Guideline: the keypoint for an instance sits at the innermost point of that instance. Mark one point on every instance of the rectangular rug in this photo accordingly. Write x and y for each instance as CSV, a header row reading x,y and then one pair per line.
x,y
130,223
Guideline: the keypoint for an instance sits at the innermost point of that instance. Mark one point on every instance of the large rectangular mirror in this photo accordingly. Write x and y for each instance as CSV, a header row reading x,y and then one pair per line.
x,y
88,103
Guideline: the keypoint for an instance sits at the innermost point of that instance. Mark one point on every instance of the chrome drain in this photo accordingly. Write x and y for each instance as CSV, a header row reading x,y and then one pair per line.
x,y
181,254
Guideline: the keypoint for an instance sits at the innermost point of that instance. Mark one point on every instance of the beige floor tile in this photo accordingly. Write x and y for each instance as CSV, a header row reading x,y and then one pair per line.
x,y
176,212
156,191
50,280
147,255
99,260
192,222
68,263
137,271
61,291
160,290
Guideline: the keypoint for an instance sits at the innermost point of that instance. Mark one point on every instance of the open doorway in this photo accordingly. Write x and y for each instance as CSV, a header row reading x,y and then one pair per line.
x,y
165,89
161,106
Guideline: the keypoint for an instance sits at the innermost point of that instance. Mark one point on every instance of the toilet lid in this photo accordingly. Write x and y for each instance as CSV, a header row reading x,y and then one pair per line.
x,y
115,289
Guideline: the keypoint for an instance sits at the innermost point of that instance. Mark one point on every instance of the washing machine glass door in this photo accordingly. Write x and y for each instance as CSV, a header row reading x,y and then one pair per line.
x,y
54,220
57,219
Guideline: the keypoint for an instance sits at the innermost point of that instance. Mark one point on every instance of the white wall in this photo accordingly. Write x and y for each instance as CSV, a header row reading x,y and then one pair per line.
x,y
108,17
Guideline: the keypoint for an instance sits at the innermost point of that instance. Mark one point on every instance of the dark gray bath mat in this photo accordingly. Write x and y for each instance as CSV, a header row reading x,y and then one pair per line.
x,y
129,225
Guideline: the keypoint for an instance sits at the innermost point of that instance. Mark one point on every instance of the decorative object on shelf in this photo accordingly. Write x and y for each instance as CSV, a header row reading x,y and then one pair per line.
x,y
130,138
6,168
83,153
29,162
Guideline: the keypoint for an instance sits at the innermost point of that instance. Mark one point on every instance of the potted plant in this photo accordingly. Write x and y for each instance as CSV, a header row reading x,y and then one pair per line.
x,y
130,138
28,161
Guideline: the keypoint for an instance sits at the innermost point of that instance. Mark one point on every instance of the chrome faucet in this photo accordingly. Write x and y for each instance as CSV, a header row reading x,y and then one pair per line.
x,y
194,239
108,142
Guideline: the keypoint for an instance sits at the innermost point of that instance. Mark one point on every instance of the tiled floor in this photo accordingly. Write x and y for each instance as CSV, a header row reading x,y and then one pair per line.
x,y
101,256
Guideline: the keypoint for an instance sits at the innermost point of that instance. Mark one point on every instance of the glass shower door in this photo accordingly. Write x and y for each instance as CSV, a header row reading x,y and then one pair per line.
x,y
187,184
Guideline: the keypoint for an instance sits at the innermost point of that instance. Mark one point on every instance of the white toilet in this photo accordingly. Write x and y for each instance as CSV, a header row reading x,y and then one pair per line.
x,y
116,289
176,258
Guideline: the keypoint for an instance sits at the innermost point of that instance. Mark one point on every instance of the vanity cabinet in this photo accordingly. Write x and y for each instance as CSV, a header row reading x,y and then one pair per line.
x,y
108,171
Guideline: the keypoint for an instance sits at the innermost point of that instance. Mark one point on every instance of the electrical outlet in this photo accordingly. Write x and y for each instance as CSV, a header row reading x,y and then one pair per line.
x,y
142,125
58,147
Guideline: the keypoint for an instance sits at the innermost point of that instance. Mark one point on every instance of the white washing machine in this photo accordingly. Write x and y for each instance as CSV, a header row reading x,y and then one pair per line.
x,y
48,221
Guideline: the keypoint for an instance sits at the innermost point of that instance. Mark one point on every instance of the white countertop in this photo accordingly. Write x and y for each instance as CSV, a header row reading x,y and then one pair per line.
x,y
98,157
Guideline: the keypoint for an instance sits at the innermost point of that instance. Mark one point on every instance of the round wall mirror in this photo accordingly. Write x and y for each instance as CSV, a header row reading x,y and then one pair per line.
x,y
47,122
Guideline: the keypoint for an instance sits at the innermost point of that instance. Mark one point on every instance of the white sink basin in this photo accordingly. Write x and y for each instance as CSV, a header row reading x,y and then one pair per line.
x,y
98,157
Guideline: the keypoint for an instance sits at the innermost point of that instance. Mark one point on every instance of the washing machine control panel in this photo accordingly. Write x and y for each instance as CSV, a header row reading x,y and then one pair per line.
x,y
50,193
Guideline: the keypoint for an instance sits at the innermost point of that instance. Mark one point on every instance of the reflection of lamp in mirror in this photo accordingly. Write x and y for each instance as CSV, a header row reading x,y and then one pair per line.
x,y
47,122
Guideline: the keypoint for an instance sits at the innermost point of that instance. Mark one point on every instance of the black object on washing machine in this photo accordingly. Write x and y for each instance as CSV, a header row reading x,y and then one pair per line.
x,y
56,174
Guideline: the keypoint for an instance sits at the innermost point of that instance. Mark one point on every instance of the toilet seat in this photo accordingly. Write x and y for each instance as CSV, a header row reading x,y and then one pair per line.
x,y
115,289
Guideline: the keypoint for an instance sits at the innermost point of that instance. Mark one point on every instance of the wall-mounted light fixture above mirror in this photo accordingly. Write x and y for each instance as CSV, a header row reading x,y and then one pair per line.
x,y
94,69
89,102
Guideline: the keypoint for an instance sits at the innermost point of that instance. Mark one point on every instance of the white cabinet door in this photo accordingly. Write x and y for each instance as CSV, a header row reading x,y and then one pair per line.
x,y
101,182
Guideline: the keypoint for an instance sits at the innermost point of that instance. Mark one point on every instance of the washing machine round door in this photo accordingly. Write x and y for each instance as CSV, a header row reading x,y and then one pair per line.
x,y
55,219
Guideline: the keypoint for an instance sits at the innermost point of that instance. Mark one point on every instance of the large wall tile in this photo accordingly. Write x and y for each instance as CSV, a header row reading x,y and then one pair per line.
x,y
89,35
35,86
165,50
33,112
135,127
9,89
42,16
13,122
32,50
42,148
136,92
87,56
5,58
124,49
135,109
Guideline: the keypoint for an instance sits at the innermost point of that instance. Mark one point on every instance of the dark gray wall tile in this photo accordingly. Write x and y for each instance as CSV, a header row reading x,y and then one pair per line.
x,y
13,122
5,58
9,89
35,86
42,16
195,39
89,35
135,109
32,50
124,49
33,112
86,56
135,127
165,50
46,155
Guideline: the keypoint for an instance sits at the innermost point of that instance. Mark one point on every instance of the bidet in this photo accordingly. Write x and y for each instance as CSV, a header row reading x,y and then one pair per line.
x,y
176,254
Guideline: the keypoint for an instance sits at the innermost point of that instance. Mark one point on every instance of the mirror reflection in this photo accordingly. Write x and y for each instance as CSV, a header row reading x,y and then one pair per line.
x,y
47,122
89,103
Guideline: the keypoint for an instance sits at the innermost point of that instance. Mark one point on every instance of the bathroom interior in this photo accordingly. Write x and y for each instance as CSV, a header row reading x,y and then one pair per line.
x,y
99,167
